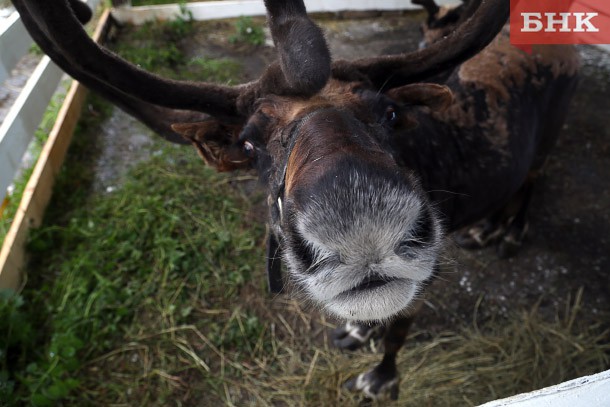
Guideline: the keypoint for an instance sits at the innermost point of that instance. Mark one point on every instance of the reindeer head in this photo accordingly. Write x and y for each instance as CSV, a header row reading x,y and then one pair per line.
x,y
356,230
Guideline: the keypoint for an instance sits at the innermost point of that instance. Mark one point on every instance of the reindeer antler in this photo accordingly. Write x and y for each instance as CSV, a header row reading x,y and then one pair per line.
x,y
158,101
81,10
396,70
431,7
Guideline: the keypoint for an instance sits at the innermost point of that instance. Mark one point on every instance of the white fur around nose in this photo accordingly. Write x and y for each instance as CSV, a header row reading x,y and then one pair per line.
x,y
354,233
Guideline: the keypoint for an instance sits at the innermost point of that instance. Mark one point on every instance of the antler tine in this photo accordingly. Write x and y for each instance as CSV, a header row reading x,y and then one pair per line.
x,y
430,6
304,55
395,70
81,10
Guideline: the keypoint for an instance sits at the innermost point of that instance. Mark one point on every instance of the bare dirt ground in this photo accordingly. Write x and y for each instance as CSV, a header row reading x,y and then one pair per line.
x,y
568,245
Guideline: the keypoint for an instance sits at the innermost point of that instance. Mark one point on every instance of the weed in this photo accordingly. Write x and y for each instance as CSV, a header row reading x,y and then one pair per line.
x,y
16,336
35,50
153,46
248,32
151,58
182,25
116,265
212,70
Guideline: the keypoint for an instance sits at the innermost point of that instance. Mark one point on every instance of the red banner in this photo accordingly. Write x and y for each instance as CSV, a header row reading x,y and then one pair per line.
x,y
559,22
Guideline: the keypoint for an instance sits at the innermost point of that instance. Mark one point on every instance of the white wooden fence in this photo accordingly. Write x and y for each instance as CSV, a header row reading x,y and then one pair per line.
x,y
210,10
22,120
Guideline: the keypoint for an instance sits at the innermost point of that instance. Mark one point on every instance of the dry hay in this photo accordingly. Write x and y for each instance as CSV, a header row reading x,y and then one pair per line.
x,y
292,362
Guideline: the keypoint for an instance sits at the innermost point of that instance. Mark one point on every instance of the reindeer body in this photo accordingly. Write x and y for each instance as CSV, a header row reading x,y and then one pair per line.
x,y
508,109
478,158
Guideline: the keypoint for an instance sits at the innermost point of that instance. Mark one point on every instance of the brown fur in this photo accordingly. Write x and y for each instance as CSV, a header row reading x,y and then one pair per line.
x,y
496,70
210,139
321,145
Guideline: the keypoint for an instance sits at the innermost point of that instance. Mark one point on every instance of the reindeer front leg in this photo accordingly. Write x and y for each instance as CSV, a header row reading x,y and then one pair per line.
x,y
354,335
383,379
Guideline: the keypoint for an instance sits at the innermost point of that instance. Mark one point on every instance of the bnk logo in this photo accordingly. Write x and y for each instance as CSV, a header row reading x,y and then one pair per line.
x,y
533,22
559,22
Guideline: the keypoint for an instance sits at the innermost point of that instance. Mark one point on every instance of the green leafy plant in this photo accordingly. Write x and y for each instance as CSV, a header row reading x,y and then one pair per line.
x,y
152,58
248,32
212,70
182,25
15,340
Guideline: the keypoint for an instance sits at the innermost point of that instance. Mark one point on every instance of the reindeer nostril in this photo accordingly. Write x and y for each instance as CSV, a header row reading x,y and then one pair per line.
x,y
303,250
421,235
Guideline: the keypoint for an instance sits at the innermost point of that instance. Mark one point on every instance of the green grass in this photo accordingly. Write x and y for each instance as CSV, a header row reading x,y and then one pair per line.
x,y
248,32
159,48
106,268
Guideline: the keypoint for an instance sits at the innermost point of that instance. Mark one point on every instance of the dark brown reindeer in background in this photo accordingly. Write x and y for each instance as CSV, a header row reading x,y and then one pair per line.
x,y
368,162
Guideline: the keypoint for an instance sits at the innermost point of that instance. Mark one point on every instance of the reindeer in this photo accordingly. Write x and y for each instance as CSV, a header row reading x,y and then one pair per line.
x,y
369,163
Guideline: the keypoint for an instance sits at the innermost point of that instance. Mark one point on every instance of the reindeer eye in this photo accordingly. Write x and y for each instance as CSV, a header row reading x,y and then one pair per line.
x,y
248,149
390,114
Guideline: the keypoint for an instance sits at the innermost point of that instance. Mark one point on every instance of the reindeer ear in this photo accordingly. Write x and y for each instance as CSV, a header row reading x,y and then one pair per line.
x,y
435,97
216,143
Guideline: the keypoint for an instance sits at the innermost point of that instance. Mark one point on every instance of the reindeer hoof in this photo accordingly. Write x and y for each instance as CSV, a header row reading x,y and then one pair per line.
x,y
352,336
478,236
508,247
375,384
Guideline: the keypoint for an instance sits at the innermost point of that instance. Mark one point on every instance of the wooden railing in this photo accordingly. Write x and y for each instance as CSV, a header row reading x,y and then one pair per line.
x,y
210,10
16,132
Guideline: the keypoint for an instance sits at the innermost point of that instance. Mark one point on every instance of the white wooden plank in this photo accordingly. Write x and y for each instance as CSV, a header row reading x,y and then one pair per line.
x,y
14,44
200,11
586,391
211,10
19,125
15,41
